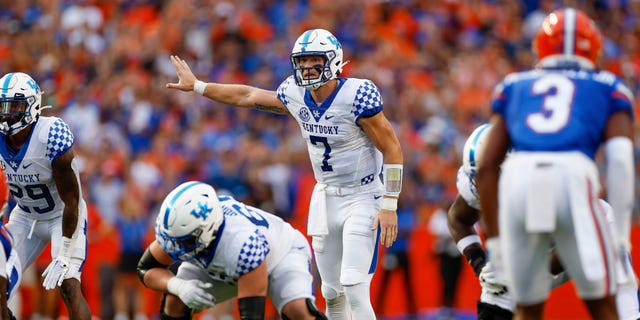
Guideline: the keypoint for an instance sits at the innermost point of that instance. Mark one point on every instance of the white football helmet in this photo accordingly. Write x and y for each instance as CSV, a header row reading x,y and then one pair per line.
x,y
189,220
473,148
20,102
317,42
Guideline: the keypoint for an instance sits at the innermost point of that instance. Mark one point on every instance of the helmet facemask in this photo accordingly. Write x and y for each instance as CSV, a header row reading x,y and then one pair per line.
x,y
185,247
317,43
324,70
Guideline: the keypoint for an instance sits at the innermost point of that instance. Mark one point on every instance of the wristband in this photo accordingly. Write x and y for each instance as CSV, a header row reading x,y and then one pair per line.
x,y
65,247
251,308
392,179
199,87
389,203
467,241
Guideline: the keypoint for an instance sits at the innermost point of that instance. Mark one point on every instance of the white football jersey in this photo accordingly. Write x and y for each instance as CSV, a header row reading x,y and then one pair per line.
x,y
341,154
247,237
29,172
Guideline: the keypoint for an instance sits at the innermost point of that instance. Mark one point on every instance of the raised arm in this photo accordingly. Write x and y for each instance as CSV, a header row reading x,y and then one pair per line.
x,y
236,95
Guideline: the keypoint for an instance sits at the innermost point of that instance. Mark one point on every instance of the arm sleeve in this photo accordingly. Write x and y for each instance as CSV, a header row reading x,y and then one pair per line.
x,y
367,101
620,184
59,140
281,92
253,252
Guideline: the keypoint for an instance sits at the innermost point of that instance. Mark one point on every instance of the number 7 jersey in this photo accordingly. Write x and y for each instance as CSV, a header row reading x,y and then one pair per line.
x,y
560,109
340,152
29,170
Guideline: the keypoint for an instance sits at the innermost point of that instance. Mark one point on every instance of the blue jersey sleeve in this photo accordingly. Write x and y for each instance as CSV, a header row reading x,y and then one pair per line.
x,y
499,98
253,253
368,101
59,139
621,98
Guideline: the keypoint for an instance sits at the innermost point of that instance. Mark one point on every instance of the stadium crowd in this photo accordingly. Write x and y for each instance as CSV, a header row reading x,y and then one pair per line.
x,y
104,64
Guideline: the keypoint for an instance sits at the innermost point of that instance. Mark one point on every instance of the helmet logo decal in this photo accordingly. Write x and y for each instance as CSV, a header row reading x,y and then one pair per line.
x,y
33,85
334,41
201,211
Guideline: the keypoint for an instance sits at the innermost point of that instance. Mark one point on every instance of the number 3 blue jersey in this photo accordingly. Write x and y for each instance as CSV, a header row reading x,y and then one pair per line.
x,y
560,109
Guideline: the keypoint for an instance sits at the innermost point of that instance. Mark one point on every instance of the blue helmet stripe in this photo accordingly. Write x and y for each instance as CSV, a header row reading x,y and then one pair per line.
x,y
5,85
173,200
472,151
305,40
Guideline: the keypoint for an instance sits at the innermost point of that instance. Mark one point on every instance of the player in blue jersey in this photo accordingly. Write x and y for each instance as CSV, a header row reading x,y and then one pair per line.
x,y
37,157
555,117
227,249
496,303
350,142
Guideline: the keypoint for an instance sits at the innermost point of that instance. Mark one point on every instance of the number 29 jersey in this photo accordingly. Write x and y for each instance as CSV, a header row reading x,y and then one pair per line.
x,y
29,170
340,152
559,109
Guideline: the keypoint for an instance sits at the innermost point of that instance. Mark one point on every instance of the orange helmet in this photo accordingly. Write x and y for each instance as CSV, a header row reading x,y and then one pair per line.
x,y
568,32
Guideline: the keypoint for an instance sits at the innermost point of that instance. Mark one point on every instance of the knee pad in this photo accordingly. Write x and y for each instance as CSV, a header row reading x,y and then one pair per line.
x,y
329,293
164,316
492,312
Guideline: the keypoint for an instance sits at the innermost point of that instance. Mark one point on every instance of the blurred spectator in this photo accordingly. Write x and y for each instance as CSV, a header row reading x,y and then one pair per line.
x,y
450,261
396,258
132,225
435,63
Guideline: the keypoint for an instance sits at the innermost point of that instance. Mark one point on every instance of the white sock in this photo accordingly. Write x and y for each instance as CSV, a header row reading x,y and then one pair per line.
x,y
359,301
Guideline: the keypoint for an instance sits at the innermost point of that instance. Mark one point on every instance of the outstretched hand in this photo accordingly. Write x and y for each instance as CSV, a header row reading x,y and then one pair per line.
x,y
186,78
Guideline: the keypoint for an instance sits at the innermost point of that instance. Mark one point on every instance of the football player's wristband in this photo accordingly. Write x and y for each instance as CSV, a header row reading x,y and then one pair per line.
x,y
199,87
389,203
467,241
251,308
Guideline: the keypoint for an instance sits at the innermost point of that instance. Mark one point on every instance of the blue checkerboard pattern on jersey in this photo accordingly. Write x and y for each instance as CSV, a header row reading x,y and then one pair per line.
x,y
367,101
60,139
282,89
253,252
366,180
